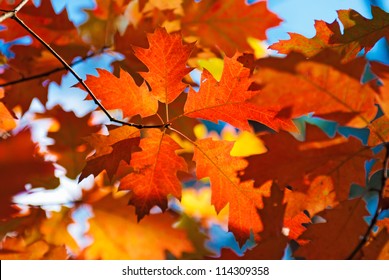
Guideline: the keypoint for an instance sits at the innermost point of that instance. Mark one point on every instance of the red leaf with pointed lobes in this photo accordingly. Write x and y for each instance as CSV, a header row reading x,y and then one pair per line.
x,y
155,173
228,100
166,60
227,24
338,236
122,93
111,150
359,33
272,243
381,85
213,160
320,85
341,159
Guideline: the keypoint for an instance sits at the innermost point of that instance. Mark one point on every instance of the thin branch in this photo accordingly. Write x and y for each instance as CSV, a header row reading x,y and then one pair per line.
x,y
52,71
40,205
11,14
378,211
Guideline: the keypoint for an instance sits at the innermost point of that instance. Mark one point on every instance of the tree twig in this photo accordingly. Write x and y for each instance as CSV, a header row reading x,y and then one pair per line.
x,y
378,211
52,71
10,14
13,14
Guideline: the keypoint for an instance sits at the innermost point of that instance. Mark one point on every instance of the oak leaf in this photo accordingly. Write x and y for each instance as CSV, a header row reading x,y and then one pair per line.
x,y
340,159
359,33
227,24
154,175
166,61
272,243
21,164
378,246
227,100
115,148
67,132
213,160
320,85
122,93
118,235
17,248
338,235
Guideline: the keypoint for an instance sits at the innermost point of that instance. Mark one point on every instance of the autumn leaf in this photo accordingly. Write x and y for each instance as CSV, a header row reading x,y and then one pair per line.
x,y
14,248
67,132
358,33
155,173
122,93
166,61
213,160
7,121
338,235
118,235
227,24
272,243
110,150
320,85
379,131
103,22
21,164
46,23
227,100
340,159
55,229
381,85
378,246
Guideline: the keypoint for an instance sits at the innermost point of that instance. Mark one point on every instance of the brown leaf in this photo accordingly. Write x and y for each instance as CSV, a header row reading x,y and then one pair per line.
x,y
337,237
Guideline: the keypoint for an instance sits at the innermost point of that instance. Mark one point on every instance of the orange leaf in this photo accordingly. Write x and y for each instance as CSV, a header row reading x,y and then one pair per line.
x,y
155,173
227,100
227,24
118,235
359,33
341,159
122,93
7,121
166,60
213,160
111,150
382,86
321,85
20,164
272,244
16,248
338,236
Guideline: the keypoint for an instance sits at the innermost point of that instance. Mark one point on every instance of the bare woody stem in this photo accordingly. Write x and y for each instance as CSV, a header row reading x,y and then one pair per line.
x,y
52,71
378,211
10,14
13,14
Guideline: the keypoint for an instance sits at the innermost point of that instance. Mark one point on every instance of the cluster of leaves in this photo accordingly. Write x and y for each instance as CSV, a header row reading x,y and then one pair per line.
x,y
160,180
